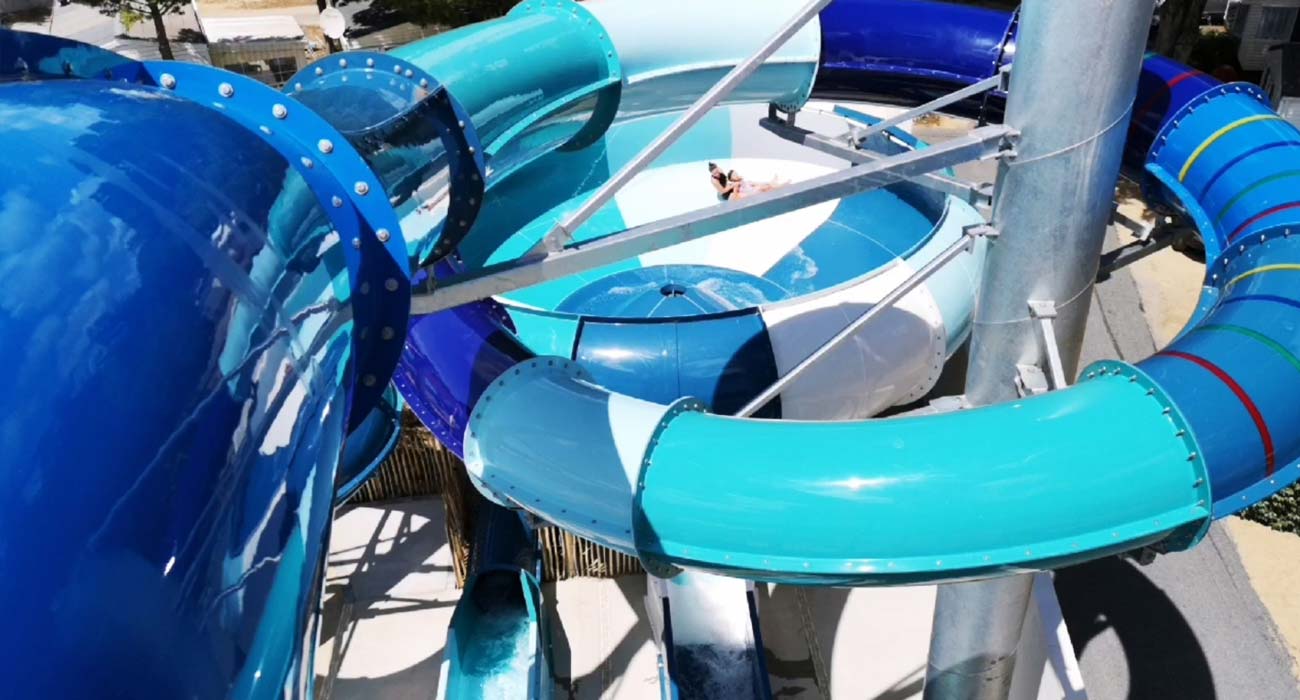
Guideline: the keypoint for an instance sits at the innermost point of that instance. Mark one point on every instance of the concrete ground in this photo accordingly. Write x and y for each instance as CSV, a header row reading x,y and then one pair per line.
x,y
390,593
1202,624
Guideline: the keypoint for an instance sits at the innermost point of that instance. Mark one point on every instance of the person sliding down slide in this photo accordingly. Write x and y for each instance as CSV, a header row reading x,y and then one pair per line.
x,y
732,185
744,188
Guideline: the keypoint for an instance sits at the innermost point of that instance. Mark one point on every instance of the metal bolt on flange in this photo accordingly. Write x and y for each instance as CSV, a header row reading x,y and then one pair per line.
x,y
325,146
361,188
226,90
370,62
356,243
386,333
369,380
279,111
168,81
343,63
307,162
383,235
390,284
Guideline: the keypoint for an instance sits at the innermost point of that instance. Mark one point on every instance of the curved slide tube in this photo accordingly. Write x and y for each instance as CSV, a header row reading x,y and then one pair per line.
x,y
189,331
368,445
796,506
195,541
498,645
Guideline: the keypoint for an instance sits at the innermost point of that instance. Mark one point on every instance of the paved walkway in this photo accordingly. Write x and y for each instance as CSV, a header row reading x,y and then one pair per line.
x,y
1190,625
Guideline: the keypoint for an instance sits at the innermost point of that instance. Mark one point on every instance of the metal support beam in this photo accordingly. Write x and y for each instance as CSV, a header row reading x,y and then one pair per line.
x,y
964,245
943,404
563,231
1159,239
830,146
1045,311
1030,381
508,276
1052,203
994,82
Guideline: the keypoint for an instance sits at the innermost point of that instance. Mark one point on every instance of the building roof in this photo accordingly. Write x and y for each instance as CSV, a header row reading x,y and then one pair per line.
x,y
182,25
147,50
258,28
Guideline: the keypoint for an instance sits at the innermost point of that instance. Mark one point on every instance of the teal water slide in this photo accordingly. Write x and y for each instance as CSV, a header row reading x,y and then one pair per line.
x,y
836,503
1196,432
272,253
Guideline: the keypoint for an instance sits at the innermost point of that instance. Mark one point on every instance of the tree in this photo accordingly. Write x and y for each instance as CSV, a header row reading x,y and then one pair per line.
x,y
132,11
1180,28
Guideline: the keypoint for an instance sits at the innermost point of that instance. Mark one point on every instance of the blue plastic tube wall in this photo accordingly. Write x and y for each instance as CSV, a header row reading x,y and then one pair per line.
x,y
185,345
1216,152
186,517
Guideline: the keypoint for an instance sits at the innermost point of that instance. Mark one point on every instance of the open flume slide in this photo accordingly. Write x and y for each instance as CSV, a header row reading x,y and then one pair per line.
x,y
251,274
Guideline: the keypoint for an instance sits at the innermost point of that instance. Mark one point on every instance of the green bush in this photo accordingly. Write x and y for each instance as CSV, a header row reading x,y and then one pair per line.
x,y
1281,512
1213,50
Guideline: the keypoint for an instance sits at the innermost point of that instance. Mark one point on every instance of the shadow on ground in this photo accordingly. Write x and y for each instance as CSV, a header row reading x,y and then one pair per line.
x,y
1164,659
398,547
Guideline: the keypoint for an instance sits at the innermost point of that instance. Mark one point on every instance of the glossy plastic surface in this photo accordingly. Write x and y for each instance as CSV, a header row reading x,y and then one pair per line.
x,y
497,645
512,73
369,445
337,178
701,55
412,132
196,346
178,364
910,50
1180,438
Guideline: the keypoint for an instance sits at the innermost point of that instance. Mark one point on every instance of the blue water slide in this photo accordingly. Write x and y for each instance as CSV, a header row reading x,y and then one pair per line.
x,y
369,444
498,644
261,317
787,501
187,345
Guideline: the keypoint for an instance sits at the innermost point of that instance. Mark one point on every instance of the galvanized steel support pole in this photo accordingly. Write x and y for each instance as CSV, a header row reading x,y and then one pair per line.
x,y
1072,90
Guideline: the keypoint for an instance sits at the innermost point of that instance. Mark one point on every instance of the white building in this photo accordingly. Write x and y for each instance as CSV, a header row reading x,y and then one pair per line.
x,y
1262,24
270,48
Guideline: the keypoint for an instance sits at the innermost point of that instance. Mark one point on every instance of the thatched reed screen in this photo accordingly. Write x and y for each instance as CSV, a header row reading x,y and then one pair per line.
x,y
420,466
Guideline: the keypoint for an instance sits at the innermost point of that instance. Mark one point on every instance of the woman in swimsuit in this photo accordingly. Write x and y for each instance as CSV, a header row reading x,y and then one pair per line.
x,y
743,188
720,182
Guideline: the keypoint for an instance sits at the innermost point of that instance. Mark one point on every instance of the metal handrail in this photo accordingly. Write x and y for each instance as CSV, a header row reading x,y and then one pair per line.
x,y
998,81
562,233
500,278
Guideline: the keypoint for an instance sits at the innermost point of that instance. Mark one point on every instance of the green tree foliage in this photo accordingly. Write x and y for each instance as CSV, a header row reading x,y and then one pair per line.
x,y
1180,28
1281,512
132,11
